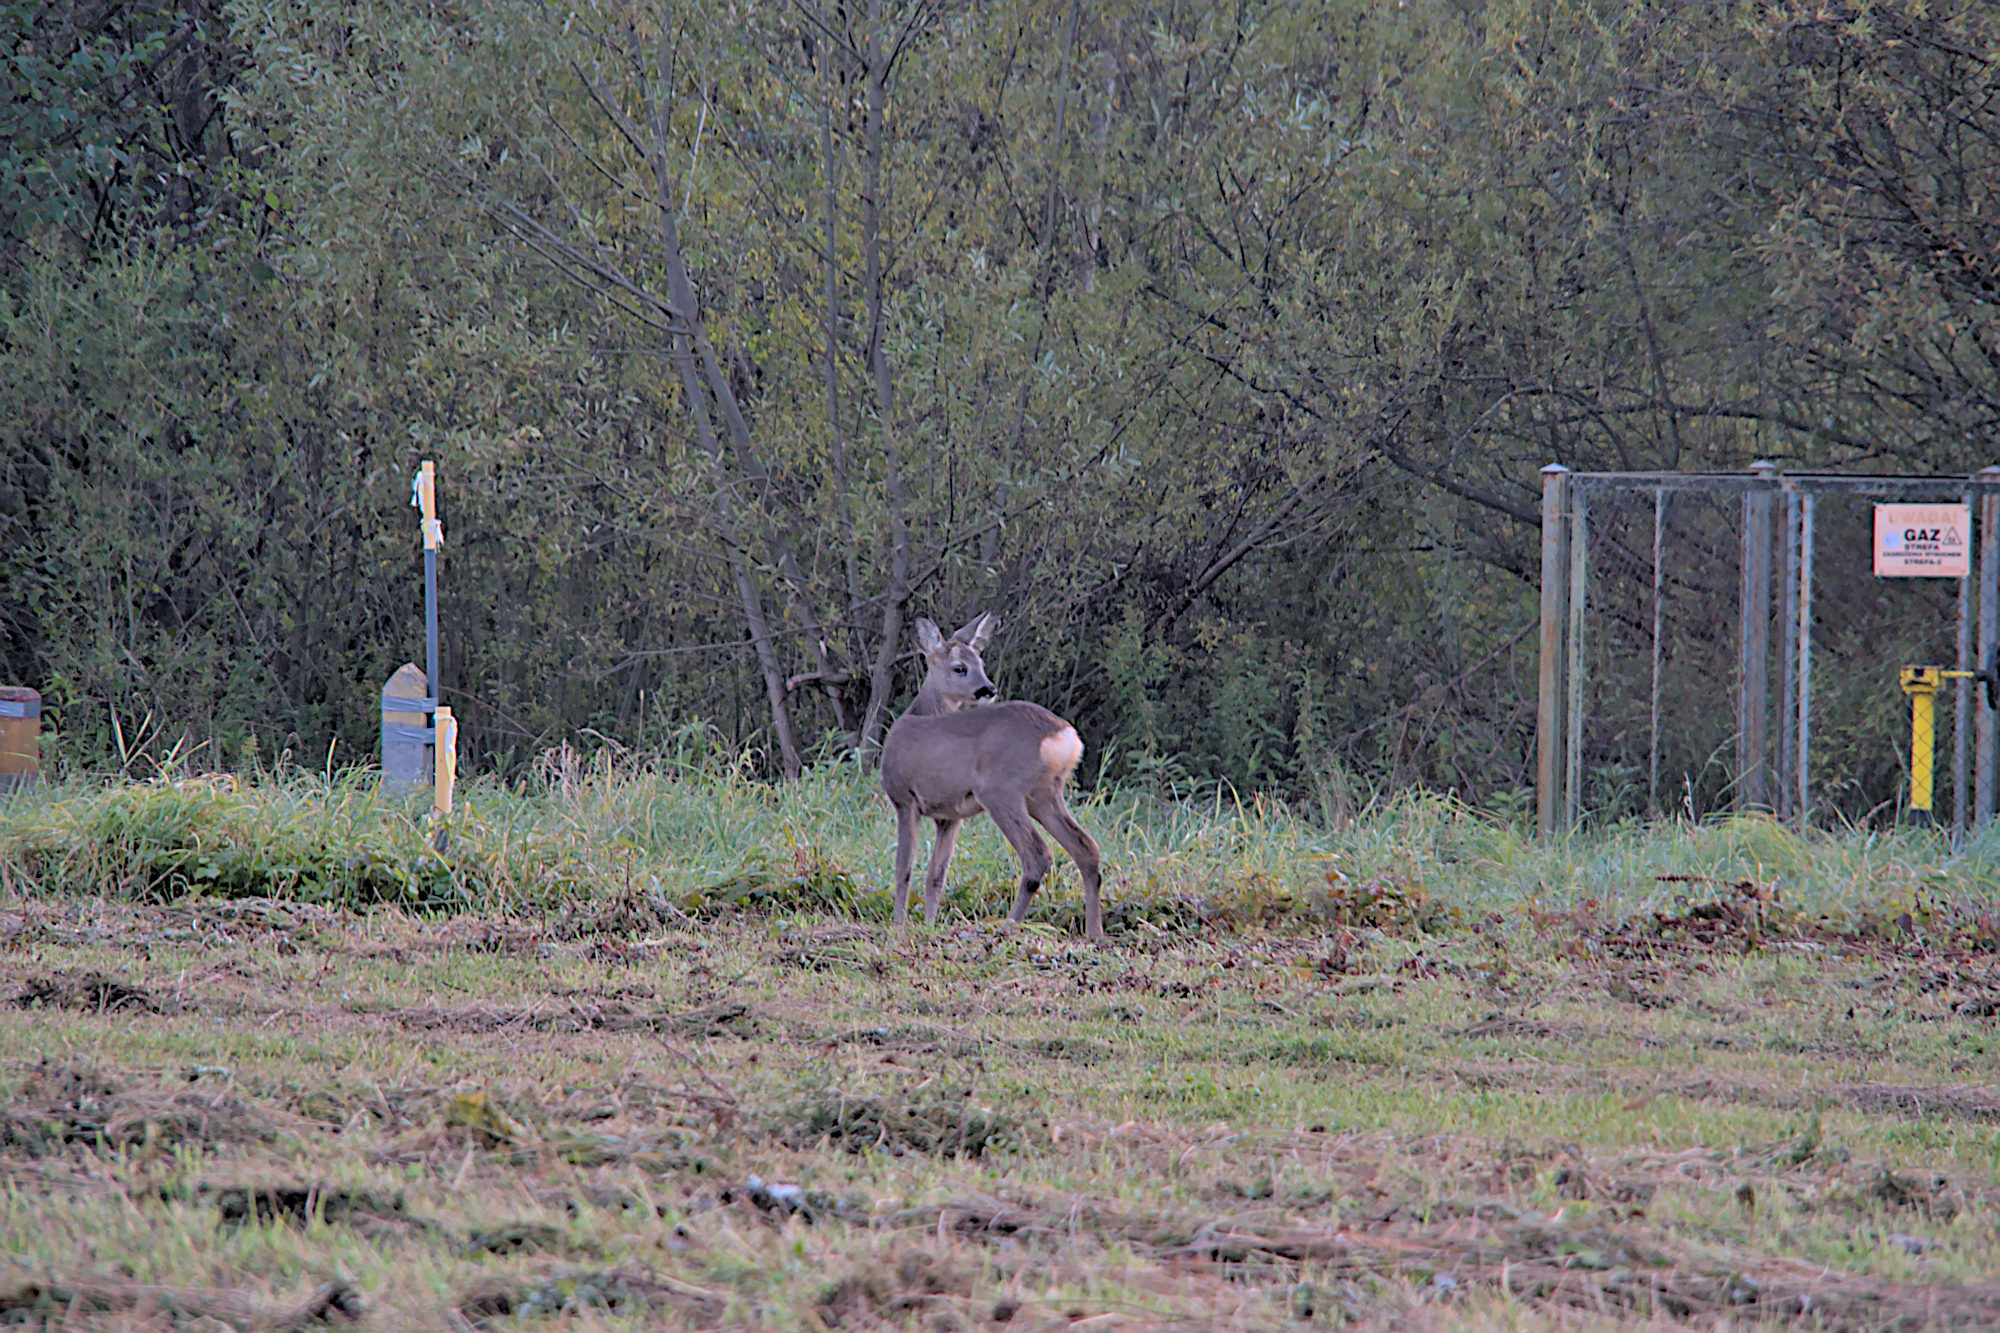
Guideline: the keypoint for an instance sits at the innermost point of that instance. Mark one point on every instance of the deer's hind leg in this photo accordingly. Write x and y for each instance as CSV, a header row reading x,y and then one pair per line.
x,y
1019,831
941,850
1052,814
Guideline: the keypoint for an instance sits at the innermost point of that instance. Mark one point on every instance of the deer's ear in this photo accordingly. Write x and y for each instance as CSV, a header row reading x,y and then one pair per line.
x,y
928,639
976,634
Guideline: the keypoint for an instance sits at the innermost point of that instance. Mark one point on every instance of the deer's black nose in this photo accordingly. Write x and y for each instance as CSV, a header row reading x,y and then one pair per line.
x,y
984,692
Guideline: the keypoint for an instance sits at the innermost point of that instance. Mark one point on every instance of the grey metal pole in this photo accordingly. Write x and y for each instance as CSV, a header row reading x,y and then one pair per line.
x,y
1573,660
1788,665
1961,703
1753,701
431,625
1659,586
1802,767
1989,636
1550,726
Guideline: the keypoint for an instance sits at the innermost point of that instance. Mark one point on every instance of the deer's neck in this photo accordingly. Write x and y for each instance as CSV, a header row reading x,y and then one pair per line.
x,y
933,702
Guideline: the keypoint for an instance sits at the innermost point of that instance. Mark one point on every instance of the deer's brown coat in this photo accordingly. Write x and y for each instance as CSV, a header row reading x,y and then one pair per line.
x,y
953,755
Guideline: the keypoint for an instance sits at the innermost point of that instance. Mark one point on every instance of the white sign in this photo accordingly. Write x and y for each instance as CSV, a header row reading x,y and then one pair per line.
x,y
1922,541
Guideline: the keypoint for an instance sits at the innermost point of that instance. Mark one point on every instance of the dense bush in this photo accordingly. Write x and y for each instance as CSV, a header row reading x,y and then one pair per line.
x,y
1216,348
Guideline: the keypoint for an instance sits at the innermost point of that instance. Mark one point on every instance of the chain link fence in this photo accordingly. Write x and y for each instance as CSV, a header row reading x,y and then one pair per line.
x,y
1721,641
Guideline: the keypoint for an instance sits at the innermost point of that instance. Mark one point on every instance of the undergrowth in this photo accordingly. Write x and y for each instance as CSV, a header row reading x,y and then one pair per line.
x,y
662,846
339,842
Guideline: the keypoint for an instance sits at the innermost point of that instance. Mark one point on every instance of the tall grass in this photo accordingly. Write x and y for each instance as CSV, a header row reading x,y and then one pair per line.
x,y
713,840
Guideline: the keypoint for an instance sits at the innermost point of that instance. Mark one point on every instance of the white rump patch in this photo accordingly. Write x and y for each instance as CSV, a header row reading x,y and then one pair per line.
x,y
1062,751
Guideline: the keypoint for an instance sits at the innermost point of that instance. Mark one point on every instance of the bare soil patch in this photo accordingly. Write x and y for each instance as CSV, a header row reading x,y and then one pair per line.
x,y
92,992
1954,1102
238,1205
576,1013
58,1304
63,1105
586,1291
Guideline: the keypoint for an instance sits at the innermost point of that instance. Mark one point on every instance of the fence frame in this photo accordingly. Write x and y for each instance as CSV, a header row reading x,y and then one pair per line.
x,y
1775,782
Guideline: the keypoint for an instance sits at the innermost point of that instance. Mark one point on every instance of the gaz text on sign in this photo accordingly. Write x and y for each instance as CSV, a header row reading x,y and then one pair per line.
x,y
1922,541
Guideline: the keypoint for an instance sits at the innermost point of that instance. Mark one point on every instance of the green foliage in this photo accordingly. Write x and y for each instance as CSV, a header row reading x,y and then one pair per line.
x,y
808,885
300,840
1215,348
637,850
108,112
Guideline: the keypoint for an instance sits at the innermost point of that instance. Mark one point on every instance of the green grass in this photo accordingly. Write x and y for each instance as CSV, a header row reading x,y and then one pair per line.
x,y
640,1045
715,843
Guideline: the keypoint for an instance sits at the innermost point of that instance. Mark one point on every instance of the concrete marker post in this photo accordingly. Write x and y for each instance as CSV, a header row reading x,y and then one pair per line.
x,y
1753,706
1551,727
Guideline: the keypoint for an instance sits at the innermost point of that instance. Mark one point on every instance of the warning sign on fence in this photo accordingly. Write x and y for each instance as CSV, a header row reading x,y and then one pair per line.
x,y
1922,541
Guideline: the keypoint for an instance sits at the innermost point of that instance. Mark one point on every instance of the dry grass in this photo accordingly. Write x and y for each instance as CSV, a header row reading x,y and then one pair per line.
x,y
281,1115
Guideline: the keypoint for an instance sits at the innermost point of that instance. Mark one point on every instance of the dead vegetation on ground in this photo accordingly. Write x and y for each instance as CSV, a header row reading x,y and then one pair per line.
x,y
1721,1112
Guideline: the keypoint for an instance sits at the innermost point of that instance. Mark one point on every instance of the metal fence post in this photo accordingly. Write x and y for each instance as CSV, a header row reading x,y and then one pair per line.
x,y
1551,726
1802,764
1575,661
1659,619
1788,661
1961,698
1989,636
1754,669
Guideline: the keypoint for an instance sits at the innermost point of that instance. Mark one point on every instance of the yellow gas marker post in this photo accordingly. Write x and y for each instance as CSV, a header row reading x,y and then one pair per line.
x,y
444,742
1921,684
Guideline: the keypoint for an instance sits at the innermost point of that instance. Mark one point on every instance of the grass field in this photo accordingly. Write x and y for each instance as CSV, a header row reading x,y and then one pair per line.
x,y
641,1051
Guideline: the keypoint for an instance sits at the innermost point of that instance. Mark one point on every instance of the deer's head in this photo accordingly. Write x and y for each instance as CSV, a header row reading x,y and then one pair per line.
x,y
957,675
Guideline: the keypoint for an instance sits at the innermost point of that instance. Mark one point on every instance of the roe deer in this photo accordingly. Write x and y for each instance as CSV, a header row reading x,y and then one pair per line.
x,y
946,762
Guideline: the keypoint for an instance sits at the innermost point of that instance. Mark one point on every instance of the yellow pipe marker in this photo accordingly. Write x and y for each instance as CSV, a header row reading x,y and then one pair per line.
x,y
444,742
446,761
427,500
1921,684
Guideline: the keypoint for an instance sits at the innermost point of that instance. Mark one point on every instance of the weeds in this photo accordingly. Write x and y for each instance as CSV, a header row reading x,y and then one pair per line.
x,y
306,840
640,1051
634,852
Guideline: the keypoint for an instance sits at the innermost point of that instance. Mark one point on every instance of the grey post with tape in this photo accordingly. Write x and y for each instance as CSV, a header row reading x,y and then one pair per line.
x,y
408,756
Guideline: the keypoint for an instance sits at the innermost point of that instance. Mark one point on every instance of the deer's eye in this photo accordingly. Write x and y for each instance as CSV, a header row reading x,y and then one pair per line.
x,y
959,669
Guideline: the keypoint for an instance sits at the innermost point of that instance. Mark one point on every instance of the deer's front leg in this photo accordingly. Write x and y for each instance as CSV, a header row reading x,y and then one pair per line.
x,y
941,850
906,856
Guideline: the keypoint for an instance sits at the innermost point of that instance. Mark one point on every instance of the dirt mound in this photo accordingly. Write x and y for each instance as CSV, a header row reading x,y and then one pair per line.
x,y
92,992
912,1282
515,1238
1959,1102
53,1304
61,1105
577,1015
615,1292
239,1205
941,1123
